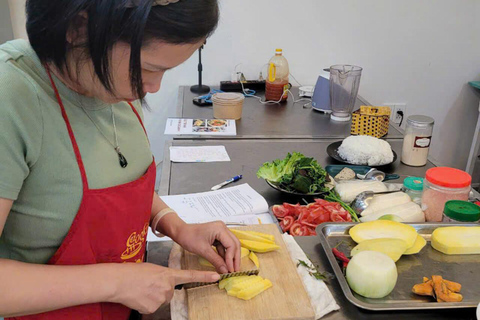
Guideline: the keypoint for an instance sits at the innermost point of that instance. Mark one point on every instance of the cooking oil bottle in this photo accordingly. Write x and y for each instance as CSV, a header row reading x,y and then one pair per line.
x,y
277,81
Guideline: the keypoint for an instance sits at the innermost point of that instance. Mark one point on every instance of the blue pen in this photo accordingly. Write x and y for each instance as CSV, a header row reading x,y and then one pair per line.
x,y
224,183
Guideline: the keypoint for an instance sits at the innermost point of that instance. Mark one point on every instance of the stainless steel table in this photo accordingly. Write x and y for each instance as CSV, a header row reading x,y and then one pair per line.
x,y
274,121
246,157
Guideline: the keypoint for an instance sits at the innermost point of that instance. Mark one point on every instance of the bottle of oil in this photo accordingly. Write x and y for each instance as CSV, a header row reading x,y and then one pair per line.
x,y
277,80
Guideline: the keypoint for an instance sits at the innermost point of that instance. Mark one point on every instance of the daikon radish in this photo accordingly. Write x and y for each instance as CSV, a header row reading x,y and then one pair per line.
x,y
384,201
457,240
408,212
350,189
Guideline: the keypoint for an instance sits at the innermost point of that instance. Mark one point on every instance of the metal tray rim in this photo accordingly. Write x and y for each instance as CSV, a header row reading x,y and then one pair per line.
x,y
382,307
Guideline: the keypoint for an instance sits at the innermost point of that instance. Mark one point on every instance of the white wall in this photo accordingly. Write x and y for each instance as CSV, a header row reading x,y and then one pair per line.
x,y
419,52
422,52
5,23
17,12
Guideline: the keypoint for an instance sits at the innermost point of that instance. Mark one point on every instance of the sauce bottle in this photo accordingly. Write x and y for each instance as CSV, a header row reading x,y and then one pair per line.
x,y
277,80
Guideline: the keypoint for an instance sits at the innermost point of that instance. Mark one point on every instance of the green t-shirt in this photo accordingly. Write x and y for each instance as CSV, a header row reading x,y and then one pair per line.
x,y
38,169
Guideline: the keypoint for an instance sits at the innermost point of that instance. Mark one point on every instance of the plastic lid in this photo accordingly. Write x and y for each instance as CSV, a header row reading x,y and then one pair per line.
x,y
462,211
278,50
420,120
448,177
413,183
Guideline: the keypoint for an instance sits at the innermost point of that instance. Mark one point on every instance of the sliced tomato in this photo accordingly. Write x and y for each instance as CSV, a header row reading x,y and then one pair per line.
x,y
296,229
336,217
308,224
279,211
311,232
286,223
322,202
319,215
292,209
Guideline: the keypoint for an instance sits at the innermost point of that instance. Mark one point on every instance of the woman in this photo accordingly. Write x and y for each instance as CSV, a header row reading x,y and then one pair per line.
x,y
76,172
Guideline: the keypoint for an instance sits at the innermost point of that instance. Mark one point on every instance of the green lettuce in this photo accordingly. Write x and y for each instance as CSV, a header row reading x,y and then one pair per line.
x,y
295,173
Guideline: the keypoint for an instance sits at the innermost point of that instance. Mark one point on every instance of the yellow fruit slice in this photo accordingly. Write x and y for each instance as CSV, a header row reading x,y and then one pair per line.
x,y
258,246
240,234
254,290
394,248
254,258
383,229
204,262
224,282
244,252
267,236
420,242
457,240
236,286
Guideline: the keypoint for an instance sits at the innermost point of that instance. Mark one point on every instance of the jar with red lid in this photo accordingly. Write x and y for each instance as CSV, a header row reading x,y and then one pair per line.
x,y
441,185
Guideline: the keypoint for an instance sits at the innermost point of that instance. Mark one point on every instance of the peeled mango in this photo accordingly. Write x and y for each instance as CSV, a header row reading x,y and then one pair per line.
x,y
457,240
253,236
245,287
394,248
420,242
204,262
256,246
384,229
254,259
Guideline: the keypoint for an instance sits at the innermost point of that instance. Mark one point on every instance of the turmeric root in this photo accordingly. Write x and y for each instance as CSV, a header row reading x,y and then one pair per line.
x,y
439,288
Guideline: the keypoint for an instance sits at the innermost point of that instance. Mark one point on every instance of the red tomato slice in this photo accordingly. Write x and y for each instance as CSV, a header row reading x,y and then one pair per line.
x,y
322,202
319,215
296,229
293,210
336,217
308,224
286,223
311,232
279,211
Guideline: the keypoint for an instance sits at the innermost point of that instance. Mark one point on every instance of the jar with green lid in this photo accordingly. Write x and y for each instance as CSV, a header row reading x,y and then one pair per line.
x,y
461,211
413,186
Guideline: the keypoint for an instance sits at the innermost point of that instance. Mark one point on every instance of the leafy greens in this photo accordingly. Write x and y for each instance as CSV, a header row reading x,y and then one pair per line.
x,y
295,173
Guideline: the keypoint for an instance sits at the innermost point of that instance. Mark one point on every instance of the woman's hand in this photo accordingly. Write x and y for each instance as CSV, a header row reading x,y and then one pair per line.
x,y
145,287
199,239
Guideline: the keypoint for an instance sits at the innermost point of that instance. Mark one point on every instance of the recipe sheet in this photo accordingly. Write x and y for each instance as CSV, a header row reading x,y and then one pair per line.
x,y
216,127
199,154
235,205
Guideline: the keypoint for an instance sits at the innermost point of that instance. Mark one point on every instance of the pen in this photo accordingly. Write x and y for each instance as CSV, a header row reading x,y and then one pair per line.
x,y
224,183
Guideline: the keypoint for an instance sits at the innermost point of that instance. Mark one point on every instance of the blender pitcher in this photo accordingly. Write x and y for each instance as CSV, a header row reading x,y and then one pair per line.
x,y
344,83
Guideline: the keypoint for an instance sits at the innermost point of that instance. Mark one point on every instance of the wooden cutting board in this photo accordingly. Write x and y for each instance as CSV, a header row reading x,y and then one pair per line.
x,y
286,300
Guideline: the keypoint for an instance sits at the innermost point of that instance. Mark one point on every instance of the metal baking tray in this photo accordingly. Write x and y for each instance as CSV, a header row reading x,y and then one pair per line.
x,y
464,269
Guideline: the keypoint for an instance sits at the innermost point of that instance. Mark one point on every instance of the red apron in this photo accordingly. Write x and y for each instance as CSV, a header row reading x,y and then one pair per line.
x,y
111,226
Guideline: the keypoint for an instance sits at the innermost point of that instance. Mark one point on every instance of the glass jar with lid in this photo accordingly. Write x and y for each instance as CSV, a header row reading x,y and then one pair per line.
x,y
461,211
416,143
413,186
440,185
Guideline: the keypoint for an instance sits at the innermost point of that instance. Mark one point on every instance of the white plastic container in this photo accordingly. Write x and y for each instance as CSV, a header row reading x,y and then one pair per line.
x,y
416,143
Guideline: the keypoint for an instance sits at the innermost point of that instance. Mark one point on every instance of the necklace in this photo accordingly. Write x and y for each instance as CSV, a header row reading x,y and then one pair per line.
x,y
121,158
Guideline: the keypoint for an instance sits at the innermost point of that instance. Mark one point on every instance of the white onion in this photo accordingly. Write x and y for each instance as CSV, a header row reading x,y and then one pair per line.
x,y
371,274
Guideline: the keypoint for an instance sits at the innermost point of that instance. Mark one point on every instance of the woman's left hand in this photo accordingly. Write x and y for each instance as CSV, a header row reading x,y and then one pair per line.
x,y
199,239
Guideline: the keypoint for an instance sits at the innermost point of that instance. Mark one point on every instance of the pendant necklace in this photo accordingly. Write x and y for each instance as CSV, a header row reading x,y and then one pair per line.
x,y
121,158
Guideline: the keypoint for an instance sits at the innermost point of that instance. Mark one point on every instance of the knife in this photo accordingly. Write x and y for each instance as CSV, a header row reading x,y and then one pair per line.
x,y
222,276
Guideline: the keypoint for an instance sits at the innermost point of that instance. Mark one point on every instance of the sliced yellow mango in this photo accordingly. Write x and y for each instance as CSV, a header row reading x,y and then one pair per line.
x,y
254,290
258,246
224,282
244,252
394,248
457,240
204,262
420,242
254,258
383,229
267,236
240,234
239,285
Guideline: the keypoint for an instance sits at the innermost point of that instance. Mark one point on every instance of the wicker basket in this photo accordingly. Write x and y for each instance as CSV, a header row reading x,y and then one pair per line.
x,y
371,121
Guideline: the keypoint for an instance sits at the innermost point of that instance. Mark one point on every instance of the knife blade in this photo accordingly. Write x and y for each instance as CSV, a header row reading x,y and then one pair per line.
x,y
253,272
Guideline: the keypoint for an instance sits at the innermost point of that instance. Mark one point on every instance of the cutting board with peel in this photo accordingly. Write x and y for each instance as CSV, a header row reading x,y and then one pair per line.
x,y
286,300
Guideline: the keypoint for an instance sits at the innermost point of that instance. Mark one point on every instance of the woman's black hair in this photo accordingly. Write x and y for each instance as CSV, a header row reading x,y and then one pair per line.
x,y
110,21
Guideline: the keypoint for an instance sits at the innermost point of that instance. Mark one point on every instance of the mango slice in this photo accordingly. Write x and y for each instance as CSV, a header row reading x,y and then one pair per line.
x,y
420,242
244,252
457,240
240,234
267,236
383,229
254,290
394,248
254,258
256,246
224,282
235,287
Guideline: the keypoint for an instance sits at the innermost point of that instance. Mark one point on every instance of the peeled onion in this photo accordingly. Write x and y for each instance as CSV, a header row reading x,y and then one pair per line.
x,y
372,274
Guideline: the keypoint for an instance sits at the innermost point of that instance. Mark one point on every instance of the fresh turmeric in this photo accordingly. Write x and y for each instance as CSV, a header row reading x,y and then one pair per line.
x,y
439,288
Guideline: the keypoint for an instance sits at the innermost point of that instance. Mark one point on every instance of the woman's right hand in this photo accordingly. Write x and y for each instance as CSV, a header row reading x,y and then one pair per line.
x,y
145,287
